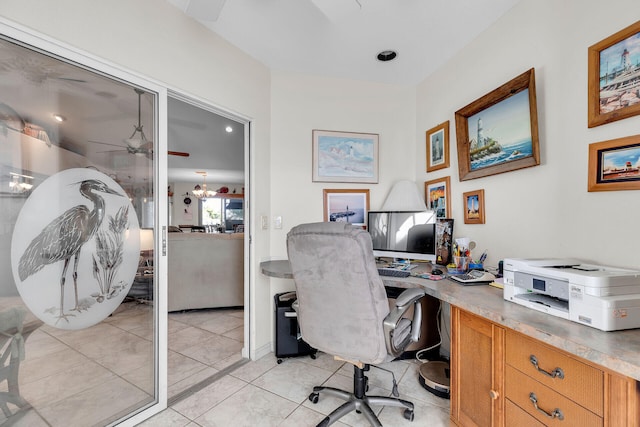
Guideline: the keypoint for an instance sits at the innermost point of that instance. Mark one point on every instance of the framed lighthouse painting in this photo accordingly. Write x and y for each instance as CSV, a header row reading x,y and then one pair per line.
x,y
614,77
498,132
75,248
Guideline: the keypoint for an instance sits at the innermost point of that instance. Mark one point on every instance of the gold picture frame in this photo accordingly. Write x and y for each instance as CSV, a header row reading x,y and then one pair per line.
x,y
615,164
473,202
346,205
438,147
437,196
511,116
611,97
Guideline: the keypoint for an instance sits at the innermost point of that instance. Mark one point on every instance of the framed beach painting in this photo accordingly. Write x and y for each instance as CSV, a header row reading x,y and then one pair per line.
x,y
438,147
615,165
499,132
345,157
473,207
614,77
437,195
342,205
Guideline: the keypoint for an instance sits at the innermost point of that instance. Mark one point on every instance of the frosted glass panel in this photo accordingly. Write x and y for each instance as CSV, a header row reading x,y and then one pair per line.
x,y
77,289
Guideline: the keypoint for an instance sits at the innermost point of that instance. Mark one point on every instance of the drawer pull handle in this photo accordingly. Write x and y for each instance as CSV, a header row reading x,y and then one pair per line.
x,y
556,373
556,413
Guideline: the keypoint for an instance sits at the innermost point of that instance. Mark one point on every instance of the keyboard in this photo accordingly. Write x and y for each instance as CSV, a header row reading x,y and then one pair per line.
x,y
393,272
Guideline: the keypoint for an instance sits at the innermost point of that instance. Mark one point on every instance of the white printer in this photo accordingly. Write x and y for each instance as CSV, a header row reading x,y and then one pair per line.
x,y
606,298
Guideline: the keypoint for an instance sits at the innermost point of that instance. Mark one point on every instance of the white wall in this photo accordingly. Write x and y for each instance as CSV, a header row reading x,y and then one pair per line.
x,y
301,103
543,211
156,40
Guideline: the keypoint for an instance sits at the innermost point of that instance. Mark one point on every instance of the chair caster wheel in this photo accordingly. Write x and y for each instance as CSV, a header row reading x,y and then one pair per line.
x,y
313,356
279,361
408,414
313,397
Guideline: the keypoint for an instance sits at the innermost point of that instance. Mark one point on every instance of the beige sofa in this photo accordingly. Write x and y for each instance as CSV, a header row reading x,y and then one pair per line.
x,y
205,270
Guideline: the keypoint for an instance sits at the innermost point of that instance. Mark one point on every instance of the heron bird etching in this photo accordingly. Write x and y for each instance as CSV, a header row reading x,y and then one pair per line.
x,y
64,237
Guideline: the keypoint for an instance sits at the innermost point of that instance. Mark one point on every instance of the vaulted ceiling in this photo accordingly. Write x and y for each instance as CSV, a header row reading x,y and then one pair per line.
x,y
342,37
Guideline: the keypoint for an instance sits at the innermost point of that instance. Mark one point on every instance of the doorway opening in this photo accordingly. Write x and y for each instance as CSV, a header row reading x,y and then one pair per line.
x,y
207,247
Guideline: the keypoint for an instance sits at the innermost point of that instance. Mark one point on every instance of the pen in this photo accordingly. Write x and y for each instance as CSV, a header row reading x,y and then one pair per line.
x,y
483,257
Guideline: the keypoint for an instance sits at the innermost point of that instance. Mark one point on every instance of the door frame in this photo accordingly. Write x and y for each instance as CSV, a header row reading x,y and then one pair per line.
x,y
245,121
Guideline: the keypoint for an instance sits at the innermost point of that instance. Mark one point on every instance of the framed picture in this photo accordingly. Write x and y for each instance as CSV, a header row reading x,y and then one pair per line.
x,y
345,157
615,165
437,194
346,206
499,132
444,240
613,77
438,147
473,202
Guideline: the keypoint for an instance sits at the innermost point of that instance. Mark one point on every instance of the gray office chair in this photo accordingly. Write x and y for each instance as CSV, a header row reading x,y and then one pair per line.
x,y
343,310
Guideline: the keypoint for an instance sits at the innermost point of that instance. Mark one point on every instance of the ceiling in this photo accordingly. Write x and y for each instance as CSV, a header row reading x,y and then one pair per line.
x,y
325,37
341,38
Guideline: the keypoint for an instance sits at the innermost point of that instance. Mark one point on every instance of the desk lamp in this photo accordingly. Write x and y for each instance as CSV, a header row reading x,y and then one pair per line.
x,y
404,196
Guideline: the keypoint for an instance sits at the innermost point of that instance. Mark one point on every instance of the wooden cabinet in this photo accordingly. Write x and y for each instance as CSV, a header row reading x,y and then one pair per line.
x,y
477,365
503,378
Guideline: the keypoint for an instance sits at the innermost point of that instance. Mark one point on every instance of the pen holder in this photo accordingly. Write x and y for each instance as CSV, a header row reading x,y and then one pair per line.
x,y
462,263
476,266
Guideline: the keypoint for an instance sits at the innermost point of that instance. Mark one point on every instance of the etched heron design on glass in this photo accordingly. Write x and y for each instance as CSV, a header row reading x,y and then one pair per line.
x,y
63,238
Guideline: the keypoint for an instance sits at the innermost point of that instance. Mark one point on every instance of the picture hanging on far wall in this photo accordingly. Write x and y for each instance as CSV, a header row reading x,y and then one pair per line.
x,y
614,77
499,132
437,194
342,205
473,207
438,147
345,157
615,165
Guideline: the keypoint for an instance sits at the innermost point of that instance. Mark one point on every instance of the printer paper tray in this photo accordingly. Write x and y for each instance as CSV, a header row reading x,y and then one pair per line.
x,y
545,300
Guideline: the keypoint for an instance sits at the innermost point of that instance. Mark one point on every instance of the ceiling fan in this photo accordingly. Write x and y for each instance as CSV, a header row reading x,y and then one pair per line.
x,y
138,143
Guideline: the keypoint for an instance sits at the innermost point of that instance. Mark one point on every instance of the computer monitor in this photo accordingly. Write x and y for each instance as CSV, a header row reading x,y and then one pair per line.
x,y
403,234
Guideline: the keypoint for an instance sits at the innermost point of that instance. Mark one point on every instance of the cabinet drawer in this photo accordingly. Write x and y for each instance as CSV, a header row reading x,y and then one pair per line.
x,y
519,388
516,416
582,383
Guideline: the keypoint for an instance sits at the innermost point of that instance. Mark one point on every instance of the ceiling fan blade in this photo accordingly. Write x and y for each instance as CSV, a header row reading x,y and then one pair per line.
x,y
106,143
178,153
111,151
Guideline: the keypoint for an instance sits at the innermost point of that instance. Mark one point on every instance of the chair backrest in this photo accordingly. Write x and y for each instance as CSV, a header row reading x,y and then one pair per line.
x,y
342,300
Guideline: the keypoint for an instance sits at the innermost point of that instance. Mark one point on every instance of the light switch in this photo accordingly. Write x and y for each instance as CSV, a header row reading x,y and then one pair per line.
x,y
265,222
277,222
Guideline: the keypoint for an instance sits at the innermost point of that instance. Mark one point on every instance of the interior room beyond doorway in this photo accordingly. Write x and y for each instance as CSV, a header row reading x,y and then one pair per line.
x,y
206,282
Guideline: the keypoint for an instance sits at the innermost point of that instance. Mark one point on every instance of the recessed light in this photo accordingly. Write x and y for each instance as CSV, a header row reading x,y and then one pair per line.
x,y
59,118
229,129
386,55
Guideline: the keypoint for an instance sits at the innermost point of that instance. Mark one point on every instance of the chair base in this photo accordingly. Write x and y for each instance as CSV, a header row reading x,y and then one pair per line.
x,y
359,401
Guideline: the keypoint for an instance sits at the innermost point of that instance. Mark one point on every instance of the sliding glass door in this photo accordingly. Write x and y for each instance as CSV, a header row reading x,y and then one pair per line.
x,y
79,224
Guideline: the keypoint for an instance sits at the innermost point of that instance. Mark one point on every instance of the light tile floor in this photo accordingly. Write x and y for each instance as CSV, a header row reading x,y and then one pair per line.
x,y
86,377
110,363
265,393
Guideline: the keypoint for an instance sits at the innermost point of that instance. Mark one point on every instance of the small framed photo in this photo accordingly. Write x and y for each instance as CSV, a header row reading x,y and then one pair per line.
x,y
498,132
615,165
438,147
346,206
437,195
444,240
613,68
473,202
345,157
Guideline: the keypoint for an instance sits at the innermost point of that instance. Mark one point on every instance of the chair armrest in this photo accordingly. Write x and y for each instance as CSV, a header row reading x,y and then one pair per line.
x,y
408,298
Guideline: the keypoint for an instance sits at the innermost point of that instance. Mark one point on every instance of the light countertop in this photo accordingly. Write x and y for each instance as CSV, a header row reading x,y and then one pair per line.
x,y
618,351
